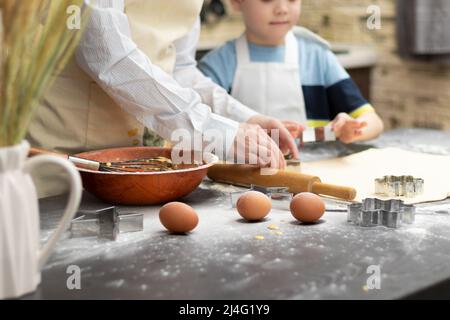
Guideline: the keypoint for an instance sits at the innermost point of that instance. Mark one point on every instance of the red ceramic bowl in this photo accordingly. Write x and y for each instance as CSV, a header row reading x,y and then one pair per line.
x,y
146,188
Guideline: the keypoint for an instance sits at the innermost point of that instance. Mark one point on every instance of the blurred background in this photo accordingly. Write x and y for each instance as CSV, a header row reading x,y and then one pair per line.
x,y
402,65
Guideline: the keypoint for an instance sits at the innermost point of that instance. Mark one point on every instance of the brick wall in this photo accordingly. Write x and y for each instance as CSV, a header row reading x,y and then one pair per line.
x,y
405,93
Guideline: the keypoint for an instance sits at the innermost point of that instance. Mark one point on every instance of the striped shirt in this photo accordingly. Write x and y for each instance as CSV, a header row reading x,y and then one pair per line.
x,y
328,89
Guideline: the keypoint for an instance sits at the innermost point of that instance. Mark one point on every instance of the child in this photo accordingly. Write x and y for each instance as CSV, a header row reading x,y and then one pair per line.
x,y
290,73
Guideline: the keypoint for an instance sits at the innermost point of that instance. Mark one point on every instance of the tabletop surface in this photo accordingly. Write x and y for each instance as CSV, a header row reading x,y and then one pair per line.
x,y
223,259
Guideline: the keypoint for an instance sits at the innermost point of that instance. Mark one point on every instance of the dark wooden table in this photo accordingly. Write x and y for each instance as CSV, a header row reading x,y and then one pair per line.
x,y
222,259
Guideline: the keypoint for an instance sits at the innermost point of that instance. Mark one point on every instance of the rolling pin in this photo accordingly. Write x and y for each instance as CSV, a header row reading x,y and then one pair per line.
x,y
246,175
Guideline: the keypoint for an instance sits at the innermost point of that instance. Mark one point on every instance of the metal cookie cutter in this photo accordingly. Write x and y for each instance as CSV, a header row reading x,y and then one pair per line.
x,y
319,134
396,186
106,223
375,212
280,196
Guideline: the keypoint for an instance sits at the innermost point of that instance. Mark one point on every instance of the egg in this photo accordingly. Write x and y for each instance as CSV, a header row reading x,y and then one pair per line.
x,y
178,217
253,205
307,207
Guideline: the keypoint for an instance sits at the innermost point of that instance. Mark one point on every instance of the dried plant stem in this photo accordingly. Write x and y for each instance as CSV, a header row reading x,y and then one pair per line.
x,y
36,44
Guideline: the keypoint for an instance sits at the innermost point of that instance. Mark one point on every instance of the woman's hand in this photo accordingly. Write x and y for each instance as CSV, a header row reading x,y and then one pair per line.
x,y
253,145
294,128
286,141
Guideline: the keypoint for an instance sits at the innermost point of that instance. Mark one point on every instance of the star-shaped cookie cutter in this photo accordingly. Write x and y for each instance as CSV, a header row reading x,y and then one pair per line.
x,y
106,223
399,186
374,212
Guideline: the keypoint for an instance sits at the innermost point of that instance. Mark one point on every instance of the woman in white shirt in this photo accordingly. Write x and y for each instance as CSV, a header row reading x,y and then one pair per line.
x,y
135,68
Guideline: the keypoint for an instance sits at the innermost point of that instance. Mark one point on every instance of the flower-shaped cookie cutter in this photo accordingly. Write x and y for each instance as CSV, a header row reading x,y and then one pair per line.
x,y
399,186
374,212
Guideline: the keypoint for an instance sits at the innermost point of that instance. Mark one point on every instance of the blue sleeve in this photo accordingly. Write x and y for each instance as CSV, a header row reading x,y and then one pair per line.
x,y
342,92
333,70
220,65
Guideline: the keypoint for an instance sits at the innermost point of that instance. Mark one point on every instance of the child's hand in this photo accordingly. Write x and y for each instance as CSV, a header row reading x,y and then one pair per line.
x,y
294,128
346,128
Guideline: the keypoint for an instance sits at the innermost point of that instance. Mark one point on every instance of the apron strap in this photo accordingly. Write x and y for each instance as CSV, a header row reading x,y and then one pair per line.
x,y
242,51
291,49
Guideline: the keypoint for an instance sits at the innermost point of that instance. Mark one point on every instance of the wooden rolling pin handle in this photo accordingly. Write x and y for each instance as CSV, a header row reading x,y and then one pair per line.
x,y
341,192
296,182
37,152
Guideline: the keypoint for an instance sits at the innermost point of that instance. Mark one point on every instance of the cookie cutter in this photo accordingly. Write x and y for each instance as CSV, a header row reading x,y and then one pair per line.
x,y
319,134
397,186
105,223
293,163
374,212
280,196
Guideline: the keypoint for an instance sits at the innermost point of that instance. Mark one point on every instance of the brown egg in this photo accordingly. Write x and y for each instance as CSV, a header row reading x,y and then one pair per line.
x,y
307,207
254,205
178,217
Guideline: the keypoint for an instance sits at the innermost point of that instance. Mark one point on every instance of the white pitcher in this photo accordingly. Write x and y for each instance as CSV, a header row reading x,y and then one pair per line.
x,y
21,257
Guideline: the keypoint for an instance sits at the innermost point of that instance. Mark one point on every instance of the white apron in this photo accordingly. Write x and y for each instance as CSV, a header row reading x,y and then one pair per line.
x,y
272,89
77,115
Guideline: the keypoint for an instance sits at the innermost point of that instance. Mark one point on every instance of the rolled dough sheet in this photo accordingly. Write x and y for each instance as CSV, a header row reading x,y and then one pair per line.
x,y
361,169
